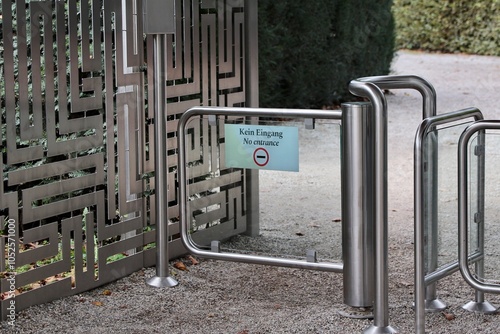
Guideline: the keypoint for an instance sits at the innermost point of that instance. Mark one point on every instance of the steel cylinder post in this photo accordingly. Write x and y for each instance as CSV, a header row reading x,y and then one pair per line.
x,y
358,244
159,20
162,278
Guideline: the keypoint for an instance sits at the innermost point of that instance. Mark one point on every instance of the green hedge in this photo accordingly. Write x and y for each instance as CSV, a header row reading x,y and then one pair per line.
x,y
448,25
310,50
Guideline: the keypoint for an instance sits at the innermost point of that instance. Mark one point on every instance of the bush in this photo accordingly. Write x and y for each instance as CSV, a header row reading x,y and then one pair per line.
x,y
448,25
310,50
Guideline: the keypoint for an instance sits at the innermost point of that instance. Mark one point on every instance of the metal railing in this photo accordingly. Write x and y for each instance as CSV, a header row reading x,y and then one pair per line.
x,y
463,199
377,202
183,194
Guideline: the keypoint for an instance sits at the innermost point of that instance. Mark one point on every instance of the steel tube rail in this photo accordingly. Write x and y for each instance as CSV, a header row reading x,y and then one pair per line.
x,y
419,184
162,278
408,82
244,112
379,104
463,244
429,109
479,304
450,268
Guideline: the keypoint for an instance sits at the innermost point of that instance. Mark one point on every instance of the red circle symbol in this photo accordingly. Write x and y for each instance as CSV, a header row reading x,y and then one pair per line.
x,y
261,157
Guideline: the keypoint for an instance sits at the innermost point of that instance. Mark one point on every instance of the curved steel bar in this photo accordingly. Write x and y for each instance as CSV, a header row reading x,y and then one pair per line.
x,y
419,186
408,82
379,104
463,244
429,109
184,223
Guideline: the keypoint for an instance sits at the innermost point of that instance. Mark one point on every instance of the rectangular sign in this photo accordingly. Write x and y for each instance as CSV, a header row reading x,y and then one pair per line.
x,y
262,147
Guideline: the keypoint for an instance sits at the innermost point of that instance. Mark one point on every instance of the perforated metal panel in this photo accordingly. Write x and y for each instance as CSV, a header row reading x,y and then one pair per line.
x,y
77,132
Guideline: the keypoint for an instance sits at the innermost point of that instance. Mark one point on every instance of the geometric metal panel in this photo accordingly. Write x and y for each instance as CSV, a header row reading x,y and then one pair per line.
x,y
77,133
205,66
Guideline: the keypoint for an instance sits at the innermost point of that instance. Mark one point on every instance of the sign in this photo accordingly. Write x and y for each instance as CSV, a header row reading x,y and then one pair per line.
x,y
262,147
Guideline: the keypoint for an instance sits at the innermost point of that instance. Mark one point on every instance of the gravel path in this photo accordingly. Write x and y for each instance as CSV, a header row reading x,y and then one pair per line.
x,y
224,297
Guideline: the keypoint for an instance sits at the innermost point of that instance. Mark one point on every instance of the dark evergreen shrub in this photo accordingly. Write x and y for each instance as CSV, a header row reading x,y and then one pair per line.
x,y
310,50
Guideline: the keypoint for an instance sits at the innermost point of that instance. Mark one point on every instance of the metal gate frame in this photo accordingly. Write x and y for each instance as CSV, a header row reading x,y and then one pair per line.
x,y
421,188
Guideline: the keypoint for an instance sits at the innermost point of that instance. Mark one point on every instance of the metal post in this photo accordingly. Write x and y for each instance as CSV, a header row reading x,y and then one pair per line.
x,y
430,302
159,20
358,244
252,100
381,307
162,278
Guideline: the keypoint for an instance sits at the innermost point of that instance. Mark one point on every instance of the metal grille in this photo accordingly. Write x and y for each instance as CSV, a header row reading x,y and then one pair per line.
x,y
77,133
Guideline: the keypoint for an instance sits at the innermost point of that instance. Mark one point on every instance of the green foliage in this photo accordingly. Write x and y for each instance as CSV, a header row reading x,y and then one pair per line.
x,y
310,50
448,25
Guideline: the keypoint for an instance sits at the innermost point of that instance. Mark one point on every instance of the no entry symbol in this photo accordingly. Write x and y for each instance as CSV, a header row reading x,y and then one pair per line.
x,y
261,157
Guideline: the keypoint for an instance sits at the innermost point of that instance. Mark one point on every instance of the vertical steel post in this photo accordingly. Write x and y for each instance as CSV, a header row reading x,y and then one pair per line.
x,y
252,100
162,278
379,104
358,244
159,20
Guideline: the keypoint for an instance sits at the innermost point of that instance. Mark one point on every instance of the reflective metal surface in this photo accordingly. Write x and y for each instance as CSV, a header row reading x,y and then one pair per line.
x,y
358,241
379,105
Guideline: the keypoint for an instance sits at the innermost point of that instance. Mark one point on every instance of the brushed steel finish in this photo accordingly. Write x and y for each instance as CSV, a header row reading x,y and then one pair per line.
x,y
358,243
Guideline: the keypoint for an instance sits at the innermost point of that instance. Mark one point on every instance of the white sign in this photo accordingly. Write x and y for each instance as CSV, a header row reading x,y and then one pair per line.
x,y
262,147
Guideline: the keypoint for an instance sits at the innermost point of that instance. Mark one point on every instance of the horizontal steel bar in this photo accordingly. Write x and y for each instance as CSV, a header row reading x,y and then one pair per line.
x,y
450,268
261,112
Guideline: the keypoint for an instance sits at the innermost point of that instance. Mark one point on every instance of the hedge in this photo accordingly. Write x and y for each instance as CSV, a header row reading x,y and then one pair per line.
x,y
310,50
448,25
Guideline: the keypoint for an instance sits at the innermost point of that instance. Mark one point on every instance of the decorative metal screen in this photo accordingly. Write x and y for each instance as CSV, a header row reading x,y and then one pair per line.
x,y
77,197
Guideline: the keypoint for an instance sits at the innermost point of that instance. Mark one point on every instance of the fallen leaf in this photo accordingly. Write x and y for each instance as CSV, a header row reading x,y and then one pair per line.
x,y
181,266
97,303
405,283
194,262
449,316
106,292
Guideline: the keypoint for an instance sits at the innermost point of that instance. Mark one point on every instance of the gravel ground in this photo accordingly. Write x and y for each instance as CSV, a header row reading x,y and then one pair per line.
x,y
224,297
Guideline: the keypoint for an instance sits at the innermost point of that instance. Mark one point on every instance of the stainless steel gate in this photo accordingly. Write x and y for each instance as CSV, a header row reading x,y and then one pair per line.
x,y
438,251
78,125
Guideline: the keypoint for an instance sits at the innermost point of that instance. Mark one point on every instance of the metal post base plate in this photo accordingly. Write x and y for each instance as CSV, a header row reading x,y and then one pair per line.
x,y
480,307
161,282
380,330
434,305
